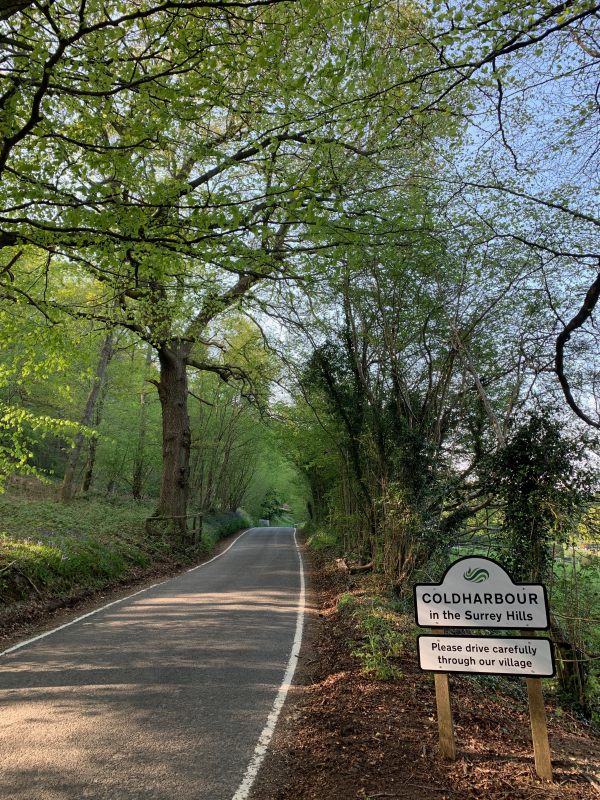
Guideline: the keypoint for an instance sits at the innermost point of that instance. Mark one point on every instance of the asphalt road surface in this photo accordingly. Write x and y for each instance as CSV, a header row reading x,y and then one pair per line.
x,y
162,696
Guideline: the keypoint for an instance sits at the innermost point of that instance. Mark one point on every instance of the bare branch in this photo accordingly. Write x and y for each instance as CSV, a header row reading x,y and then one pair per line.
x,y
576,322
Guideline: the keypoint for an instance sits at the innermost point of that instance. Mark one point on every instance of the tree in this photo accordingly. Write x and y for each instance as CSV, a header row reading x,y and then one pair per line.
x,y
35,351
139,458
178,193
544,485
528,173
91,404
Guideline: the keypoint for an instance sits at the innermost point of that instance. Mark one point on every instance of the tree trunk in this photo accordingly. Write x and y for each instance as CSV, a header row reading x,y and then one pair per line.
x,y
489,409
88,473
138,460
173,393
68,484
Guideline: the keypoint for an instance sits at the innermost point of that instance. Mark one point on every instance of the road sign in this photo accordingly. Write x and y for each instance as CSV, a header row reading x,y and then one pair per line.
x,y
487,655
476,592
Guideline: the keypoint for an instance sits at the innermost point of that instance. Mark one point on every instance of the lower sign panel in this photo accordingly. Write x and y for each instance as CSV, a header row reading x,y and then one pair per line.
x,y
487,655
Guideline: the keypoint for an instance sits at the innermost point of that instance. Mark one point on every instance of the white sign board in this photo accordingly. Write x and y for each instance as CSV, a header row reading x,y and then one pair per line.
x,y
487,655
477,592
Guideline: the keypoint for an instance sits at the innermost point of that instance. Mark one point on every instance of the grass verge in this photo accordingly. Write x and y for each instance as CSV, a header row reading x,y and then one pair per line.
x,y
50,549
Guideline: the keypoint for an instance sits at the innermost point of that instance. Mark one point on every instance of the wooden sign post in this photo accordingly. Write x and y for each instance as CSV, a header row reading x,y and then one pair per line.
x,y
539,729
477,592
444,714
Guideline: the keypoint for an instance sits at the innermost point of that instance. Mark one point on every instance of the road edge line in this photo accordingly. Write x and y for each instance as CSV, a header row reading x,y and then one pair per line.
x,y
19,645
264,740
227,549
33,639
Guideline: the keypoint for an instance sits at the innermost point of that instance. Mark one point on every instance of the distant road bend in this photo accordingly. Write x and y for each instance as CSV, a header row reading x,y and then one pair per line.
x,y
169,694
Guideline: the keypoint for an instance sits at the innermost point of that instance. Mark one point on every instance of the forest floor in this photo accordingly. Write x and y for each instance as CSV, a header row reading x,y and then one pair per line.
x,y
346,736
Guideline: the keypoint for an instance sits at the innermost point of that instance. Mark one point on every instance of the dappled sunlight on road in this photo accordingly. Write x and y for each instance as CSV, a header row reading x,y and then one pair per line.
x,y
161,697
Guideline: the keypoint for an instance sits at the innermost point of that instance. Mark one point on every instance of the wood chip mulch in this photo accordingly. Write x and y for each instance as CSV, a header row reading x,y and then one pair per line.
x,y
343,735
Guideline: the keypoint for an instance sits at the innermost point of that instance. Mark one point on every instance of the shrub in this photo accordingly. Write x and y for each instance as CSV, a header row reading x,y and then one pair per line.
x,y
383,633
218,524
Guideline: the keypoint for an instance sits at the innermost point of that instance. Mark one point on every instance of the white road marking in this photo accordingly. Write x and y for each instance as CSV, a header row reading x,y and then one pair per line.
x,y
214,558
264,740
114,602
73,621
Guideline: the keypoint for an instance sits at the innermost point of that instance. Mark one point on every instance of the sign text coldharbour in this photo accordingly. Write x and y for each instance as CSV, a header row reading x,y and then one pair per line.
x,y
476,592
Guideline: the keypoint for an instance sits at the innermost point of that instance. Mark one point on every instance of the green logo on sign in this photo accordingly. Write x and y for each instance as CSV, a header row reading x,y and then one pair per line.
x,y
476,575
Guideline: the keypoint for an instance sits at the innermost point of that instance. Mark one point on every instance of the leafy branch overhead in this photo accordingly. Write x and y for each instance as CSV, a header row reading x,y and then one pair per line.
x,y
168,167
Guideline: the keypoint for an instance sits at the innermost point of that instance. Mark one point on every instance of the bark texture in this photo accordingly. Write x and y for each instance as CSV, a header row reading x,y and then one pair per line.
x,y
173,391
138,461
68,485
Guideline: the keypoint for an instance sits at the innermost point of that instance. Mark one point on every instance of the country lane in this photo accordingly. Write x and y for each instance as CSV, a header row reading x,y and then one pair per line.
x,y
162,695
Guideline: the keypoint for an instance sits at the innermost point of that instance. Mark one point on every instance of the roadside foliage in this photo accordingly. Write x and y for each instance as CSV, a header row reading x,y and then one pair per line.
x,y
333,262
